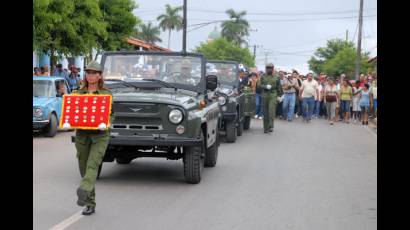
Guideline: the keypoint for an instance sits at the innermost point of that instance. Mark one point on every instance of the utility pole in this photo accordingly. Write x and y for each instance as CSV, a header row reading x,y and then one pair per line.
x,y
347,35
359,42
266,57
184,28
254,50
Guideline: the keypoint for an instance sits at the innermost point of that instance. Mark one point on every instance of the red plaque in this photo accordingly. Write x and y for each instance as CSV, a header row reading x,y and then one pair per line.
x,y
86,111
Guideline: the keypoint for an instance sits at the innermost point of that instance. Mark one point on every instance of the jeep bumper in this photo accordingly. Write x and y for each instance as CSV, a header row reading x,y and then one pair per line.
x,y
228,116
152,141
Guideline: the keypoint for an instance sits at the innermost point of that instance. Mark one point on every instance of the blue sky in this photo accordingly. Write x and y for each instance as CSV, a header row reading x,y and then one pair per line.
x,y
287,31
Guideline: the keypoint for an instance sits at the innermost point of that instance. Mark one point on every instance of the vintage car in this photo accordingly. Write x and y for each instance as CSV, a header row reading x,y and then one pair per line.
x,y
162,108
230,97
47,102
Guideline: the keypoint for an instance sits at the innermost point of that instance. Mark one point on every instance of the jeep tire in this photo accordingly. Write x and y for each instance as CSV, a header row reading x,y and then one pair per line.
x,y
247,123
240,128
51,129
194,162
211,154
230,131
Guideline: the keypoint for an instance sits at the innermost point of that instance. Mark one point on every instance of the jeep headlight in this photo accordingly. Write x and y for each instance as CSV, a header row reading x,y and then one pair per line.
x,y
175,116
38,112
222,100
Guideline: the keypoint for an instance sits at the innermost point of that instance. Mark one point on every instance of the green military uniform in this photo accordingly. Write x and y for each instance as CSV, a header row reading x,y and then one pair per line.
x,y
91,146
269,97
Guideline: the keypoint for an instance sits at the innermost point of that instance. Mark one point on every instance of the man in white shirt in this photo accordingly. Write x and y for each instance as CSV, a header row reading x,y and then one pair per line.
x,y
307,92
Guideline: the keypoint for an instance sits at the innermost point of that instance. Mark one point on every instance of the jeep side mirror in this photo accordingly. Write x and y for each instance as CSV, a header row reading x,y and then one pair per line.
x,y
211,82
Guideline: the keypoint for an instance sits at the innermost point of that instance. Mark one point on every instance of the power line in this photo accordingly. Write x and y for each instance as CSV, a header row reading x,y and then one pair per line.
x,y
354,36
307,19
259,13
284,13
310,42
280,20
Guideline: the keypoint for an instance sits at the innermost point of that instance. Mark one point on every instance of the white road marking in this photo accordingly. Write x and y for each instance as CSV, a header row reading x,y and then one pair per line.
x,y
67,222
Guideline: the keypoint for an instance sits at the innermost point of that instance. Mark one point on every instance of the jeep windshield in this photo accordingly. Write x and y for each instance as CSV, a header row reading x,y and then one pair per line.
x,y
168,71
227,73
43,88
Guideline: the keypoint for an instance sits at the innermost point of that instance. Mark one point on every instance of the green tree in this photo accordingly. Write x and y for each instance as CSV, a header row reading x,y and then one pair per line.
x,y
148,33
222,49
120,20
67,27
336,58
345,62
171,20
237,28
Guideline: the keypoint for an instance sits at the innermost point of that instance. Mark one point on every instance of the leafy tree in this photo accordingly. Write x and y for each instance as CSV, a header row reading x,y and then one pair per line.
x,y
345,62
237,28
118,14
171,20
222,49
336,58
67,27
148,33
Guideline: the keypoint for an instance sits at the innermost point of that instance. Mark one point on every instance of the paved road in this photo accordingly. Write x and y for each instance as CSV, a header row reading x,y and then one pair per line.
x,y
302,176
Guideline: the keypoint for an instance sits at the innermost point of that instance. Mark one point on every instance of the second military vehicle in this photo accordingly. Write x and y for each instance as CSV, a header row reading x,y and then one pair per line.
x,y
230,96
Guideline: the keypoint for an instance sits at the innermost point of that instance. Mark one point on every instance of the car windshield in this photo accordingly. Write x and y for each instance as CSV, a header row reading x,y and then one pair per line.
x,y
43,88
185,70
226,72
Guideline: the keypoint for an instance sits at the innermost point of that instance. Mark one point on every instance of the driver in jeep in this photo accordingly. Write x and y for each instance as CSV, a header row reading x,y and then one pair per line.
x,y
184,76
225,73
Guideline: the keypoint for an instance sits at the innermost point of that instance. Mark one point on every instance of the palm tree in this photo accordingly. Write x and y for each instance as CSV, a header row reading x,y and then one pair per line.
x,y
171,20
237,28
148,33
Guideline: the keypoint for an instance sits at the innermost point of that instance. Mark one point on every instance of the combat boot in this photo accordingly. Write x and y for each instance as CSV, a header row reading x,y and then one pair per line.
x,y
88,210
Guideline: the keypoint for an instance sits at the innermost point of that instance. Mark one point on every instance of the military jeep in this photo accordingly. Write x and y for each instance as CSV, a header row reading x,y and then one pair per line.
x,y
162,109
230,97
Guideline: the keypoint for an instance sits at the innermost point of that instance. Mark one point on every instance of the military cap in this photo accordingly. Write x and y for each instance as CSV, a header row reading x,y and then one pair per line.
x,y
94,66
269,65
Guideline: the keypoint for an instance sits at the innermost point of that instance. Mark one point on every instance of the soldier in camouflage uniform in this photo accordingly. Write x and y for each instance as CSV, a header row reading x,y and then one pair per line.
x,y
91,144
271,89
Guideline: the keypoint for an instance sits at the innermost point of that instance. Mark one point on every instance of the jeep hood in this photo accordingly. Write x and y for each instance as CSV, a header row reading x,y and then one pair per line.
x,y
174,98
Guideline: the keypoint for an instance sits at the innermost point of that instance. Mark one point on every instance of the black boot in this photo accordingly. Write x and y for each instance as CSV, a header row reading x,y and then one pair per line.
x,y
88,210
270,129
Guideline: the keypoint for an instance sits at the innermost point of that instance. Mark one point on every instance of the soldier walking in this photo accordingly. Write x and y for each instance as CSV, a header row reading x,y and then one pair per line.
x,y
91,144
271,89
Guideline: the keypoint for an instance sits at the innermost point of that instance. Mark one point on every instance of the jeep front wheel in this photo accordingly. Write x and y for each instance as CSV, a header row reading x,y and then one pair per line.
x,y
194,162
247,123
212,154
240,128
231,131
